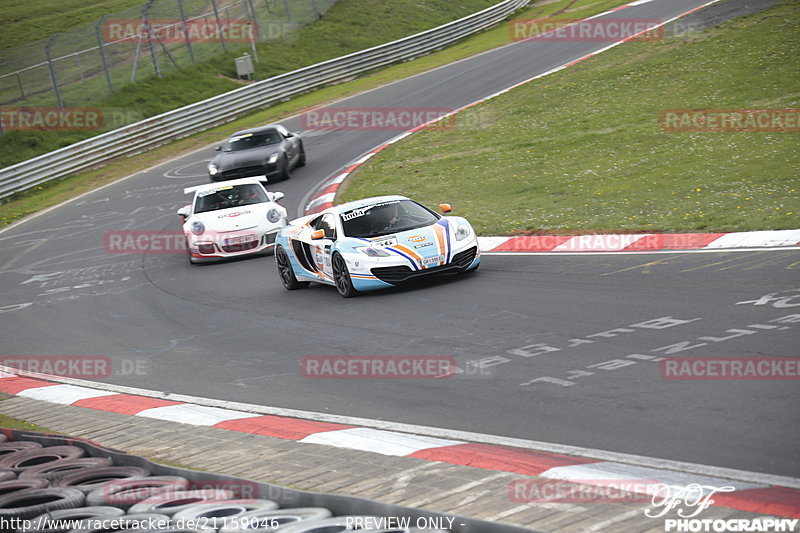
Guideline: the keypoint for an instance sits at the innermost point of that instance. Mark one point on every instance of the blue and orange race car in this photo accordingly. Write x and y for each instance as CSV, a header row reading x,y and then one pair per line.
x,y
373,244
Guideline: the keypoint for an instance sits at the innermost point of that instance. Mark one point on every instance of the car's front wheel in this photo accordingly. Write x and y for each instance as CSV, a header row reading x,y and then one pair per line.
x,y
285,271
341,277
285,172
301,159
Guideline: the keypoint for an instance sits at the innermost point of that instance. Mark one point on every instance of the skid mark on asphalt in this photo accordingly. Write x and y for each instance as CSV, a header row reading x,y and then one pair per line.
x,y
646,267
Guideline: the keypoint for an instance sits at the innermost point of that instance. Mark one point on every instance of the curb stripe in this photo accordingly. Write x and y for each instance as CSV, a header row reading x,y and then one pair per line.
x,y
125,404
751,497
489,457
279,427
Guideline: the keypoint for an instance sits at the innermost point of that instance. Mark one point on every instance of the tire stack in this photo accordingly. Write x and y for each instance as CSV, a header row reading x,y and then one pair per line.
x,y
58,489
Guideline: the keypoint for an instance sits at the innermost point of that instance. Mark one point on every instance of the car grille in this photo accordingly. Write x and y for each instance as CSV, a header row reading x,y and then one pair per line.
x,y
240,247
400,274
465,258
242,172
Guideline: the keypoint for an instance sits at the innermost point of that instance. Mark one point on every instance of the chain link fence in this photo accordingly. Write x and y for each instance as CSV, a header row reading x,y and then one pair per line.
x,y
82,65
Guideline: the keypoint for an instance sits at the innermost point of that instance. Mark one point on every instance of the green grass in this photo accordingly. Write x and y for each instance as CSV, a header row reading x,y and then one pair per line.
x,y
25,21
9,422
582,150
57,191
349,26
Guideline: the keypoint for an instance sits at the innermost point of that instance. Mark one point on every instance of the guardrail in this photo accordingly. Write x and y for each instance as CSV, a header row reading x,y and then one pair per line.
x,y
184,121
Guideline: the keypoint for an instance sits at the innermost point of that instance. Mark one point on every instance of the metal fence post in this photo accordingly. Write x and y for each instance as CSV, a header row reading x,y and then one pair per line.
x,y
19,82
288,12
52,70
219,24
101,47
186,31
147,29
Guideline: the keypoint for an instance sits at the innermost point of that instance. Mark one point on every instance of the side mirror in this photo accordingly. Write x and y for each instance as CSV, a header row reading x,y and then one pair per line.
x,y
445,208
317,235
277,196
184,212
289,135
218,148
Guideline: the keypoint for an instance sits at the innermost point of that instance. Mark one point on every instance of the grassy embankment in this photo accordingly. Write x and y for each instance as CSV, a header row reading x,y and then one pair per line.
x,y
583,150
58,191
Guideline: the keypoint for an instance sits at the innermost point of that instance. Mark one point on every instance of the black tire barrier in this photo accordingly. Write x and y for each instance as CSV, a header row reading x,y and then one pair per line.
x,y
57,521
16,485
178,501
24,459
58,469
29,503
216,515
124,493
289,499
88,479
265,521
7,475
7,448
124,523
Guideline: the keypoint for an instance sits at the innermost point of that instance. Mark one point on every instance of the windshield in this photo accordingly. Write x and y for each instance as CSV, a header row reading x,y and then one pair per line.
x,y
386,217
252,140
230,196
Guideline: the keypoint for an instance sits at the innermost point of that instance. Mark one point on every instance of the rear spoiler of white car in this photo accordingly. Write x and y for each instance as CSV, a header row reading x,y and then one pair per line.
x,y
239,181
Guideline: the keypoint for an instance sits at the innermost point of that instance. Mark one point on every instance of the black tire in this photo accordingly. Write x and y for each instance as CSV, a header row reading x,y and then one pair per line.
x,y
22,460
271,520
16,485
7,448
341,277
177,501
89,479
285,271
216,515
301,159
52,518
58,469
30,503
125,493
286,171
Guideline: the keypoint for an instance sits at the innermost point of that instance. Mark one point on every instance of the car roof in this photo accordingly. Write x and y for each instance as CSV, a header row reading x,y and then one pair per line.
x,y
355,204
219,184
258,129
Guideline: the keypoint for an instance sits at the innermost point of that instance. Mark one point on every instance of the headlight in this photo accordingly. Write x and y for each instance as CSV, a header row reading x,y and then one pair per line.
x,y
373,252
463,232
213,169
273,158
198,227
273,215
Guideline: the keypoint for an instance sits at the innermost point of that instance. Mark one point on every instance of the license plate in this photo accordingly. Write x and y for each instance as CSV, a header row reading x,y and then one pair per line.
x,y
432,260
242,239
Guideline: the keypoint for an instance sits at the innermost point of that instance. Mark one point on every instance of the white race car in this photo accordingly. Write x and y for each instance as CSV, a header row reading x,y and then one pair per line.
x,y
230,219
374,243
